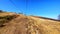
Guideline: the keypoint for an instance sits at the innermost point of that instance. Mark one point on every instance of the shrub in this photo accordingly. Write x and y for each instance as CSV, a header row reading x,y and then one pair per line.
x,y
1,11
5,19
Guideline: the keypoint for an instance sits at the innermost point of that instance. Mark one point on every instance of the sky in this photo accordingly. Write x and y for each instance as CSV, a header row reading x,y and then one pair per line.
x,y
45,8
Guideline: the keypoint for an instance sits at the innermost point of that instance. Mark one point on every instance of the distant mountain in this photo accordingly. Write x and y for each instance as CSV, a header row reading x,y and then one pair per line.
x,y
12,23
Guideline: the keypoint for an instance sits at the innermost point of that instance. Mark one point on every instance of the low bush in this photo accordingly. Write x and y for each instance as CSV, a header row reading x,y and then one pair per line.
x,y
6,19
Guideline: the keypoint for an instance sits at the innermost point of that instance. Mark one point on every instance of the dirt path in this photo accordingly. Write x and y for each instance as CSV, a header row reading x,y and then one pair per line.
x,y
30,25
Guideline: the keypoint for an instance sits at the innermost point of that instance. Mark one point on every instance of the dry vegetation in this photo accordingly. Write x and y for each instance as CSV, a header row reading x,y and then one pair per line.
x,y
11,23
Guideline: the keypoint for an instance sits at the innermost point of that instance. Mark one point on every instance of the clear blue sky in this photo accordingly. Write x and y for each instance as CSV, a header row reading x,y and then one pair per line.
x,y
45,8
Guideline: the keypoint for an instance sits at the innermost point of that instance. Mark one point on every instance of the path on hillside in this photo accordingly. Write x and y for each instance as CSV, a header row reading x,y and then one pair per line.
x,y
30,25
16,26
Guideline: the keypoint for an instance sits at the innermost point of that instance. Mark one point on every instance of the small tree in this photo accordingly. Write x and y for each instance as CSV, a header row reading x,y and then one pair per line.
x,y
1,11
58,17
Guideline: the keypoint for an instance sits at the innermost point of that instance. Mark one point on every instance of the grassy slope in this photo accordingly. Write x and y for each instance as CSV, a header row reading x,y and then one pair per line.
x,y
30,25
6,17
45,26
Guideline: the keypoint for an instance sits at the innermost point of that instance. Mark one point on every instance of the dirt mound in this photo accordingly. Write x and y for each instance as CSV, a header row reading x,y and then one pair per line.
x,y
22,24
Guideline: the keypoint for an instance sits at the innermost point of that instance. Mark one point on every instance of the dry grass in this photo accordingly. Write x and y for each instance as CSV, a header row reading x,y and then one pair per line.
x,y
29,25
46,26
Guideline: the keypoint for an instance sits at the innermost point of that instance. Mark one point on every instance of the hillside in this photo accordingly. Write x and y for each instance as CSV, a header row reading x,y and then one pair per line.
x,y
11,23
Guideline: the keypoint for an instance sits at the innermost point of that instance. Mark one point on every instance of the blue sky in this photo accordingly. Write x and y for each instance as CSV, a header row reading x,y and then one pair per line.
x,y
45,8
